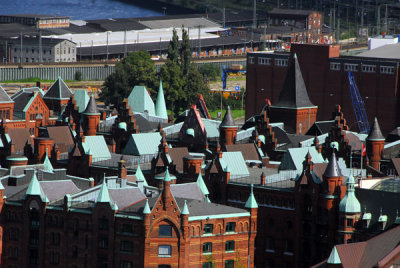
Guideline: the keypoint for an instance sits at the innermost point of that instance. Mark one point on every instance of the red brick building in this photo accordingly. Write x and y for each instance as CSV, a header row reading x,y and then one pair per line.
x,y
325,77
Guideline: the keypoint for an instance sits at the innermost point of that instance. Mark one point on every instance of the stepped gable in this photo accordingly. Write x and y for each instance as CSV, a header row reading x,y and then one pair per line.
x,y
294,93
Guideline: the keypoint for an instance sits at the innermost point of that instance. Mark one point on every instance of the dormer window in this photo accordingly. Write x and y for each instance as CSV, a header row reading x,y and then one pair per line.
x,y
382,222
366,219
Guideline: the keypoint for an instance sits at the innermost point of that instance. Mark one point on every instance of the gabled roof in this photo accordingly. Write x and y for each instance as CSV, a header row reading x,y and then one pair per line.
x,y
97,147
375,134
20,137
91,108
294,157
82,99
187,191
294,93
58,91
4,97
235,164
228,119
161,108
143,143
139,100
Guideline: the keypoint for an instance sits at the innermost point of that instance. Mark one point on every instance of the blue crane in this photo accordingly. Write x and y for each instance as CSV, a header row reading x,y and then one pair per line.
x,y
358,106
226,72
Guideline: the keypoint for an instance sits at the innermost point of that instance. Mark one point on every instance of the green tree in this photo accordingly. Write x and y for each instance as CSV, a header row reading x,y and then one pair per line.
x,y
185,52
173,47
135,69
173,82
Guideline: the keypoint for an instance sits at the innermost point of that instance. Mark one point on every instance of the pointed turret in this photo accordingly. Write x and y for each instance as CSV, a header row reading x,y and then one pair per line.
x,y
161,109
202,185
228,128
104,195
34,188
185,210
146,209
375,145
167,177
350,203
294,106
334,257
139,176
251,201
91,118
333,169
46,162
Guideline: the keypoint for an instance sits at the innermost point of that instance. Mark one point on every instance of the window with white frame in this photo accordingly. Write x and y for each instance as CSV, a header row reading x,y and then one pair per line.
x,y
348,67
387,70
335,66
264,61
164,251
251,60
368,68
281,62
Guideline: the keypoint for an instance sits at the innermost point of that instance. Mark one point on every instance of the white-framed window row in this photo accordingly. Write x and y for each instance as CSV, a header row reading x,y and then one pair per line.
x,y
264,61
387,69
335,66
281,62
251,60
349,67
368,68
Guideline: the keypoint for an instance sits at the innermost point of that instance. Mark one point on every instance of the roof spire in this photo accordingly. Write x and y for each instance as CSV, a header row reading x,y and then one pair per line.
x,y
350,203
167,177
46,162
146,209
185,210
91,108
161,108
139,175
228,119
333,170
34,188
104,195
202,185
375,134
251,202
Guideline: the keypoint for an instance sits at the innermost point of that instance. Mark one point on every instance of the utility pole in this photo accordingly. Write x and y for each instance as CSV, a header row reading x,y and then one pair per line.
x,y
40,46
125,48
199,41
20,52
254,26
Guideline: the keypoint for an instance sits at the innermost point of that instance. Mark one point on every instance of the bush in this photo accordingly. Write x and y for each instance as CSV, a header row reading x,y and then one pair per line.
x,y
78,76
210,71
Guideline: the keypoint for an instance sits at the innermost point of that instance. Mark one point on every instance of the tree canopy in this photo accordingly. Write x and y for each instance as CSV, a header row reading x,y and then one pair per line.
x,y
136,69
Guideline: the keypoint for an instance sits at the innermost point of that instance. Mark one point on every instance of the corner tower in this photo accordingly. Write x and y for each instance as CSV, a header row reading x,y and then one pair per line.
x,y
375,143
91,118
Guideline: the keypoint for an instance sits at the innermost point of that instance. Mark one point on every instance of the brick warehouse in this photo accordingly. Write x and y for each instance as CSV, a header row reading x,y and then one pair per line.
x,y
325,77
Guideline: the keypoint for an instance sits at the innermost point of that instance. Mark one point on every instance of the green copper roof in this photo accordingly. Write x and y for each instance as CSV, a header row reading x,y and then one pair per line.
x,y
1,186
139,100
334,257
146,209
161,108
139,175
349,203
34,188
234,163
143,143
104,195
167,177
251,202
97,147
208,199
82,98
115,207
185,210
47,164
202,185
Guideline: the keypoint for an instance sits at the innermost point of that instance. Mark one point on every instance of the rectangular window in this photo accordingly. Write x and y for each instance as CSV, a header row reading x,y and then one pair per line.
x,y
207,265
288,246
264,61
230,246
251,60
208,229
229,264
207,247
281,62
230,227
103,242
368,68
103,224
165,230
350,67
349,222
270,244
127,228
335,66
126,264
387,70
164,251
126,246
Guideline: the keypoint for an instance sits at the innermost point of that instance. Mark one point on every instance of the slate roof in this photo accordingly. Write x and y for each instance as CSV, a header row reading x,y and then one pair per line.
x,y
187,191
248,150
55,190
144,124
21,100
177,155
19,170
61,135
201,208
4,96
333,169
58,91
143,143
139,100
91,108
375,134
294,92
19,137
125,197
320,127
228,119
